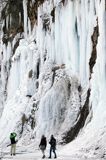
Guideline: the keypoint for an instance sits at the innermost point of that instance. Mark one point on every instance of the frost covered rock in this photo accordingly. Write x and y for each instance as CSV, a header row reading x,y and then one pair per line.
x,y
53,72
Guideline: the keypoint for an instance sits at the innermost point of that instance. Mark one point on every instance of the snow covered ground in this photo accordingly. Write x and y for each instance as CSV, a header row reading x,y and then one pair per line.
x,y
36,154
68,152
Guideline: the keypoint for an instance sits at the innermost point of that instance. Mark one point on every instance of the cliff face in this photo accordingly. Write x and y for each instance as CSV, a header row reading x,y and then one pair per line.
x,y
52,67
12,14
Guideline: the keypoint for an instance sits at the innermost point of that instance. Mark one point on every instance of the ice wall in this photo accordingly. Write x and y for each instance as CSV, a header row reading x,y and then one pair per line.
x,y
49,65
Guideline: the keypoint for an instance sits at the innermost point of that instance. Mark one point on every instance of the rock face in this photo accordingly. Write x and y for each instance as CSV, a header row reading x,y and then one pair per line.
x,y
94,50
12,14
49,66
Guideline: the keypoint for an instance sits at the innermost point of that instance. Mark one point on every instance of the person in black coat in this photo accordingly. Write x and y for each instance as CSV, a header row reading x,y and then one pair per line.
x,y
42,145
52,146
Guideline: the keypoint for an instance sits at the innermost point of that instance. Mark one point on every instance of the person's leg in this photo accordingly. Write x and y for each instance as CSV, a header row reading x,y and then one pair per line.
x,y
50,152
44,153
14,149
11,149
54,151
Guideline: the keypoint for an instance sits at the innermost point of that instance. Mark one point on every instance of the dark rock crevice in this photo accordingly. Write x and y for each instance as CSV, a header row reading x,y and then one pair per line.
x,y
53,78
69,89
38,70
30,73
53,14
16,45
24,120
81,118
94,39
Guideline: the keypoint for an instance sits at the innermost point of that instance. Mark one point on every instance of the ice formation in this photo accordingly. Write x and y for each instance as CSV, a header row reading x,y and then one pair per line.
x,y
58,69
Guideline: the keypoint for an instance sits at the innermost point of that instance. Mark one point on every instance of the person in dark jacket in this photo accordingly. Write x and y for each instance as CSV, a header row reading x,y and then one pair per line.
x,y
52,146
42,145
13,143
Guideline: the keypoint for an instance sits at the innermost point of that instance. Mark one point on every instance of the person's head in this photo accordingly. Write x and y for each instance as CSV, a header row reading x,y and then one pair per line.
x,y
52,136
43,136
11,134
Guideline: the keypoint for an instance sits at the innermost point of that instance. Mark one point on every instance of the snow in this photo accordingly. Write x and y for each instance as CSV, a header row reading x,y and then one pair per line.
x,y
42,77
33,153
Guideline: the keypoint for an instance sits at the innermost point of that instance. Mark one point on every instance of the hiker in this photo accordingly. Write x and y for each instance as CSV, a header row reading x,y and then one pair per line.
x,y
53,146
13,143
42,145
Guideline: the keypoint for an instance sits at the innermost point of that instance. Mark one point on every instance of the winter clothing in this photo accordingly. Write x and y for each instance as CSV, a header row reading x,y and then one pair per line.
x,y
13,143
53,146
13,149
42,145
12,138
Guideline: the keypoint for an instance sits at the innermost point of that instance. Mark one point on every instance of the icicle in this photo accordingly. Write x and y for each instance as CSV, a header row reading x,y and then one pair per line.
x,y
8,51
4,53
10,20
25,17
20,20
7,22
29,27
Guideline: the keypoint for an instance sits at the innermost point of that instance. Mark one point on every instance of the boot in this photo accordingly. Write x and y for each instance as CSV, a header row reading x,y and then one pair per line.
x,y
43,156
